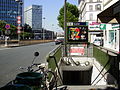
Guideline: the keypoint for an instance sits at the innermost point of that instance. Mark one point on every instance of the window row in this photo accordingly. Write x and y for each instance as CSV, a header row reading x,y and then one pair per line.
x,y
97,7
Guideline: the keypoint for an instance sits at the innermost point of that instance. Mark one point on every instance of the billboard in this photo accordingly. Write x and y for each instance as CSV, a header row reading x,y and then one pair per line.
x,y
77,32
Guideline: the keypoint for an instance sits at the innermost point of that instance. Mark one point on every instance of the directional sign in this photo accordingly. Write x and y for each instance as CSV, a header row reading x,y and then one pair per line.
x,y
7,26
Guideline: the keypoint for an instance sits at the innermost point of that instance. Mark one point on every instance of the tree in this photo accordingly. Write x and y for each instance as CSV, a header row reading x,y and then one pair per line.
x,y
72,14
2,28
26,31
27,28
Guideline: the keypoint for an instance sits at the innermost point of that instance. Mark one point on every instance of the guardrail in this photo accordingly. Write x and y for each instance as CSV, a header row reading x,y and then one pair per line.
x,y
109,59
53,58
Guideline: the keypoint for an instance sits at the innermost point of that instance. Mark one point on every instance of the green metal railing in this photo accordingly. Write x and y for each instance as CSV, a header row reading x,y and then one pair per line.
x,y
53,58
108,58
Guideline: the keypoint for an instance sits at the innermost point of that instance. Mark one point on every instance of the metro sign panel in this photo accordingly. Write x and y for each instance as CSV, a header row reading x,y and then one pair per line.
x,y
77,51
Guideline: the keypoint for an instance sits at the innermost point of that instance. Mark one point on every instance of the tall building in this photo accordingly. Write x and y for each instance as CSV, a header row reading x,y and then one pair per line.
x,y
10,9
33,17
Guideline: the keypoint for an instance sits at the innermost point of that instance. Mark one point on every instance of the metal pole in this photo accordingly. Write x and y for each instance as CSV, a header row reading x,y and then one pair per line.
x,y
19,24
52,31
43,29
65,44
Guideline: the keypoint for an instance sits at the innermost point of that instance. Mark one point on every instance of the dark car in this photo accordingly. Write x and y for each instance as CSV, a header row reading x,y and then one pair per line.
x,y
59,41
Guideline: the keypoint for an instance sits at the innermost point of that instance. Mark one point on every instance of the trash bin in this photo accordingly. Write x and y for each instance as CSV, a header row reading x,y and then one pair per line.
x,y
16,87
29,78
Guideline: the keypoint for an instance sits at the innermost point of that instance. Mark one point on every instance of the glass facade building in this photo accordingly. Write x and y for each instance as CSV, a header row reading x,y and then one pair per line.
x,y
33,16
9,10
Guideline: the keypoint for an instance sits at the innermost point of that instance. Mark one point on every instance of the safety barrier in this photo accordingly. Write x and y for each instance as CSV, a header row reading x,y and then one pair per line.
x,y
53,58
108,59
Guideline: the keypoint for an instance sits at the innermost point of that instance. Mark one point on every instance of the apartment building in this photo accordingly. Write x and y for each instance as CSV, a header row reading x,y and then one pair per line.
x,y
88,11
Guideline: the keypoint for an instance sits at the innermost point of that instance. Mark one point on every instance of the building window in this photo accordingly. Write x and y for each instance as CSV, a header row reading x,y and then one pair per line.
x,y
90,0
98,7
111,36
98,0
91,16
90,7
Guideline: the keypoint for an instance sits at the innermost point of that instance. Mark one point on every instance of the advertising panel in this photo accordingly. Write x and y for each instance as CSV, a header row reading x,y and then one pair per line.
x,y
77,32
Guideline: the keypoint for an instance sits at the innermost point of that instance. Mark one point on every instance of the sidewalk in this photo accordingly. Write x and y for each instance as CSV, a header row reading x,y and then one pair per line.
x,y
9,45
24,43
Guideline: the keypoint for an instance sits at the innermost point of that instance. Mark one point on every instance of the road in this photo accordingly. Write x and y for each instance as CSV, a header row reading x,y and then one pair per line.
x,y
12,59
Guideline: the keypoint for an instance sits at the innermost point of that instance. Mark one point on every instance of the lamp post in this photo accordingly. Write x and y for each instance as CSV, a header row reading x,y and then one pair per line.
x,y
52,32
44,28
65,43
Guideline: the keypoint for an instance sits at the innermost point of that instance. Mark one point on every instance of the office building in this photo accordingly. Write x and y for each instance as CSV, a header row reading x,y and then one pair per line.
x,y
9,10
33,17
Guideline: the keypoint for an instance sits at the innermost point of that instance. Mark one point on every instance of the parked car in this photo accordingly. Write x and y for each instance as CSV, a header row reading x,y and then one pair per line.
x,y
59,41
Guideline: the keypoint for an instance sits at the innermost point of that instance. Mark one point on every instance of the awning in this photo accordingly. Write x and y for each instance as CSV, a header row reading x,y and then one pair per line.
x,y
111,14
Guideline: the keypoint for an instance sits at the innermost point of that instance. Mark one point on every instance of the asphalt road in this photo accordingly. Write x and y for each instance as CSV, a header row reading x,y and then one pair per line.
x,y
12,59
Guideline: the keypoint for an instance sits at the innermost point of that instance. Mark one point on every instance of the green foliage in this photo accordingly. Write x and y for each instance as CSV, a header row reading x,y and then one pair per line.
x,y
2,25
26,34
72,14
27,28
12,28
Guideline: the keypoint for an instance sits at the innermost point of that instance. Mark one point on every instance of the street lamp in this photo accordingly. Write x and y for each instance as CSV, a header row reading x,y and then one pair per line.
x,y
52,32
44,28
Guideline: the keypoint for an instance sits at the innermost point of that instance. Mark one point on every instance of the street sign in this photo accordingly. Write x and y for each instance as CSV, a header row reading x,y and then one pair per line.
x,y
7,26
7,32
103,26
19,22
18,27
18,31
19,17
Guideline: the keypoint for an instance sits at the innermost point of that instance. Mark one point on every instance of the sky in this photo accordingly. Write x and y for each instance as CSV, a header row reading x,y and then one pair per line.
x,y
50,11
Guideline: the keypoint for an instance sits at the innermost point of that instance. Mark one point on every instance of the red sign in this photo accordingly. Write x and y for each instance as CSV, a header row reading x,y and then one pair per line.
x,y
19,17
7,26
18,31
19,22
77,51
18,27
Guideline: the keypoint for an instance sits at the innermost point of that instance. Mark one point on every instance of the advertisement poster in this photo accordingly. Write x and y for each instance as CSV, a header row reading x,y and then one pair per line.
x,y
78,33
